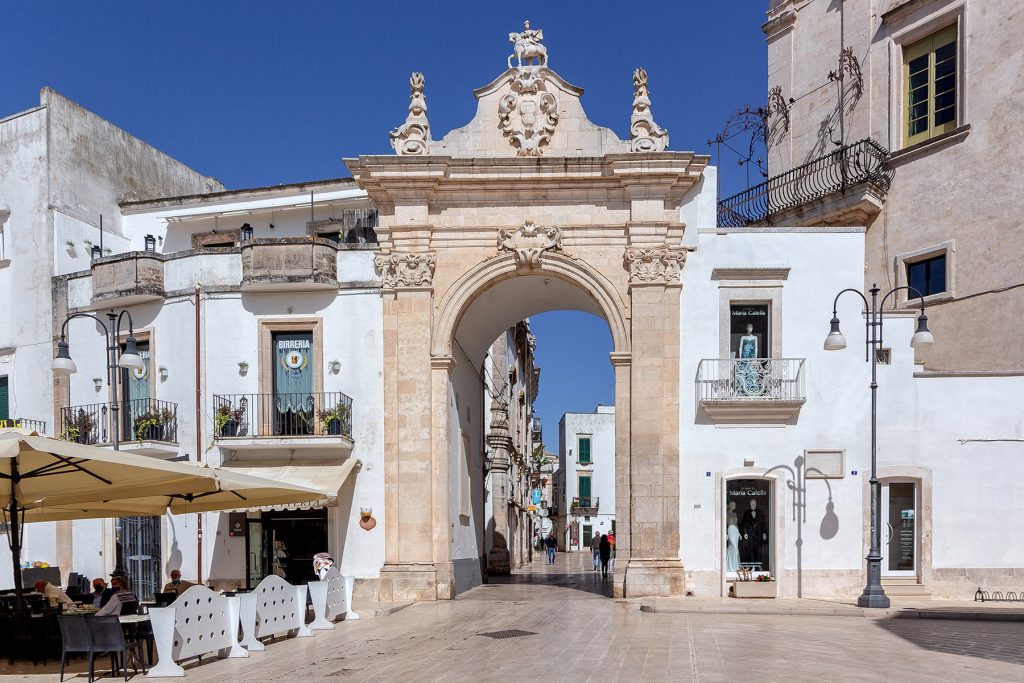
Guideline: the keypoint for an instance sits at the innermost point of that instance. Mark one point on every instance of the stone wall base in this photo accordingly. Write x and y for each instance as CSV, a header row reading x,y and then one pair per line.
x,y
961,583
416,581
662,577
499,562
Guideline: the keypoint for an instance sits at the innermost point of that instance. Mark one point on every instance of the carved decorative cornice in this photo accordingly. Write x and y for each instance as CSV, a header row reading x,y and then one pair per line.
x,y
654,265
405,269
528,243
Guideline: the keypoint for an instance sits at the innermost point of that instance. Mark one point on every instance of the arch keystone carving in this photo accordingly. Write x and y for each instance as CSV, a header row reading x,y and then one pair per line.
x,y
529,242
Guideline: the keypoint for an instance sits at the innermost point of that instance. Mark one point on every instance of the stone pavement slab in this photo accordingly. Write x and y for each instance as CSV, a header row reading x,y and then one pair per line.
x,y
901,609
565,628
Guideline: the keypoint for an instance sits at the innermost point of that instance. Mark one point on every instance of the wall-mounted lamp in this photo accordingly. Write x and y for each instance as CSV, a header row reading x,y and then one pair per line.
x,y
246,231
96,252
163,373
98,382
243,367
334,366
150,243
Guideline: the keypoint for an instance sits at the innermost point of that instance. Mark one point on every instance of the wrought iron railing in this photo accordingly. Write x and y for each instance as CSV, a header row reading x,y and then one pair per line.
x,y
585,503
276,415
24,423
865,161
754,379
140,419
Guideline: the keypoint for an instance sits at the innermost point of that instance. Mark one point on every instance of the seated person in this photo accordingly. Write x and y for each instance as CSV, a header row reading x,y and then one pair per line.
x,y
176,585
123,601
100,592
53,593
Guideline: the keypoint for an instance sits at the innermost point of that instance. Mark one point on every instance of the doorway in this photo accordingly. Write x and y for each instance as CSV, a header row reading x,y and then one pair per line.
x,y
899,529
283,543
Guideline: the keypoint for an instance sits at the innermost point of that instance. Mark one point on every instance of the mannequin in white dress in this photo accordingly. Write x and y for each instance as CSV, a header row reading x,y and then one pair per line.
x,y
732,539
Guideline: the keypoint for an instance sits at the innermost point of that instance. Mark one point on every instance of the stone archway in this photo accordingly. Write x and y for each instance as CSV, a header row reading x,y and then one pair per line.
x,y
459,217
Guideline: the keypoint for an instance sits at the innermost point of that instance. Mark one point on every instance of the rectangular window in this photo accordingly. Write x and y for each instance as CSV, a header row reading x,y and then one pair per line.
x,y
927,277
293,383
748,509
583,486
748,331
930,84
4,404
583,444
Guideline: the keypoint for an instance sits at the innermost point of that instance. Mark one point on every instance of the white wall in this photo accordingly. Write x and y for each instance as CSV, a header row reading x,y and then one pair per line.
x,y
600,426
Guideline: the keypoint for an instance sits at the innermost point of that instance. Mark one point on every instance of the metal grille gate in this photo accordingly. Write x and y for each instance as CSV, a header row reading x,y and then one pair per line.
x,y
138,541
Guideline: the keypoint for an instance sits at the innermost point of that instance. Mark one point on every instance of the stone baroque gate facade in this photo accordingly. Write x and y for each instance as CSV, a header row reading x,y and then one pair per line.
x,y
530,187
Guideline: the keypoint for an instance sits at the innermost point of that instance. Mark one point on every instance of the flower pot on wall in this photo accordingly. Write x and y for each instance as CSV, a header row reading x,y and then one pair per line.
x,y
334,427
755,589
230,428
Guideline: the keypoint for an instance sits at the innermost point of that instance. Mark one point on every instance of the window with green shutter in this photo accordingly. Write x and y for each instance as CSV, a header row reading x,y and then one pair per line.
x,y
930,86
4,413
583,448
583,483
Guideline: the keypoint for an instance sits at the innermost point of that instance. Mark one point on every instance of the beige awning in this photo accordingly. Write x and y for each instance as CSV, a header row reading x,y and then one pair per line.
x,y
327,479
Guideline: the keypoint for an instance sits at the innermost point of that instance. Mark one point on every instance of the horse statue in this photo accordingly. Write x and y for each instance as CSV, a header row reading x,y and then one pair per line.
x,y
528,48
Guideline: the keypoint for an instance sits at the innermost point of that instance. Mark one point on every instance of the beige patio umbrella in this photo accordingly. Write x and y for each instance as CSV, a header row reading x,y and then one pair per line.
x,y
44,479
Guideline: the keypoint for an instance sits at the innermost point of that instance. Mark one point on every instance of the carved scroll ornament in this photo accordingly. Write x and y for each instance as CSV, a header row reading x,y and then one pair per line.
x,y
645,135
654,265
528,243
412,138
405,269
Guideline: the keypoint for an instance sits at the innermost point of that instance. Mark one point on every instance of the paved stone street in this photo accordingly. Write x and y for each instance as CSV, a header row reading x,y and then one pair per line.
x,y
577,633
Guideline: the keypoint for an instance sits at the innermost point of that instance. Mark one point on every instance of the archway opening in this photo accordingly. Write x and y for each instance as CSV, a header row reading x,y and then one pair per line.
x,y
516,478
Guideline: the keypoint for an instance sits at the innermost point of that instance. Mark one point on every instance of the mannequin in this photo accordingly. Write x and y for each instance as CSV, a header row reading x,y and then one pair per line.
x,y
748,344
754,528
732,538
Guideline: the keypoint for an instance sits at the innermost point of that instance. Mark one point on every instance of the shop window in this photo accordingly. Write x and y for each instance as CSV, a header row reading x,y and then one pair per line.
x,y
930,86
927,276
583,448
748,511
749,331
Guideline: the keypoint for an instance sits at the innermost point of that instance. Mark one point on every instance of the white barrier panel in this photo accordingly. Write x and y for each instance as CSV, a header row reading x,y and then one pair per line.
x,y
199,622
332,598
275,606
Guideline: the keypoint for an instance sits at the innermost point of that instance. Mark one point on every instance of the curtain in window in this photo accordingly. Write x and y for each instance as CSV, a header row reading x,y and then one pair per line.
x,y
293,372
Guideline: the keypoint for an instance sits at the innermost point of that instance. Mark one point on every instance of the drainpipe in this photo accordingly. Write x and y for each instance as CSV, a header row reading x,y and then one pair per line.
x,y
199,439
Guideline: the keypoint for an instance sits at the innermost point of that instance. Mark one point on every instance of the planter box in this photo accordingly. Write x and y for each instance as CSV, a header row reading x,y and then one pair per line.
x,y
755,589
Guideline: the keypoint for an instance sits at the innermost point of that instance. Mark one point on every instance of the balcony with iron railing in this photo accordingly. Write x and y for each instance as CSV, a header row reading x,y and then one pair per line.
x,y
585,505
844,187
288,420
37,426
754,390
143,425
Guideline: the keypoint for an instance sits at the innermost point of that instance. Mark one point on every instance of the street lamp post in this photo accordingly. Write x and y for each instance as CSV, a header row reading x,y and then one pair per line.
x,y
129,359
874,595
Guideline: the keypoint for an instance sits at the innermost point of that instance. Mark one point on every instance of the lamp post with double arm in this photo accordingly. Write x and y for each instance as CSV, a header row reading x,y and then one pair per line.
x,y
128,359
874,595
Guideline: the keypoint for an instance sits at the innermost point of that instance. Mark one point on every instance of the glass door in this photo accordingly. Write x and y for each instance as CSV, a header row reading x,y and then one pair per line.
x,y
899,528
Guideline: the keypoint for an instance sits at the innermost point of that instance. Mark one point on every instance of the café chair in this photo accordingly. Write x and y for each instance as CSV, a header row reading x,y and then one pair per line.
x,y
75,637
108,636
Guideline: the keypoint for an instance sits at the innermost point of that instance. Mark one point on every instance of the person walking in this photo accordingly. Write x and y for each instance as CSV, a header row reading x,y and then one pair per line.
x,y
552,546
605,551
595,544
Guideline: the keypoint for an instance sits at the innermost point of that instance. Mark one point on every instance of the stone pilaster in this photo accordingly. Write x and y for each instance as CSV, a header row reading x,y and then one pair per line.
x,y
654,567
499,444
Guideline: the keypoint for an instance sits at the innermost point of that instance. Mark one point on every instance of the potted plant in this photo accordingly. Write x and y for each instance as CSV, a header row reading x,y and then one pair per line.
x,y
336,419
763,586
80,428
152,426
227,420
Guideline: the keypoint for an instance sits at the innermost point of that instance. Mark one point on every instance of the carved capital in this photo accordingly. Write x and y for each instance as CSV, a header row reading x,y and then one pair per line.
x,y
405,269
654,265
529,242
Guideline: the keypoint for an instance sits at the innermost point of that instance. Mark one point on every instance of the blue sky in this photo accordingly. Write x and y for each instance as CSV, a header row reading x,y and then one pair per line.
x,y
261,93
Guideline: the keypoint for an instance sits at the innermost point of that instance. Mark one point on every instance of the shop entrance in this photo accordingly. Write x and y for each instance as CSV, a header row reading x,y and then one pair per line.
x,y
748,532
899,530
284,543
